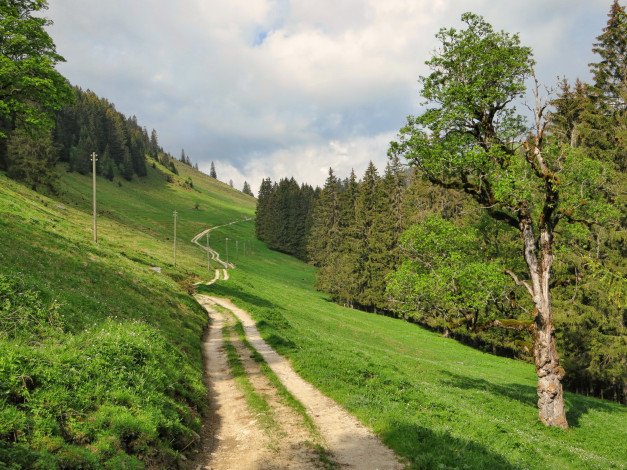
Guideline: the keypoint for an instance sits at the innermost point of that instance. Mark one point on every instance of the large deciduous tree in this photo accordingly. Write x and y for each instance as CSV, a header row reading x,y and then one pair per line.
x,y
472,139
30,87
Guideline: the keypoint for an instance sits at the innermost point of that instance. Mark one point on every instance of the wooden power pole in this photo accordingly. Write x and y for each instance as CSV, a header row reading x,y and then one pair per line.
x,y
174,238
93,160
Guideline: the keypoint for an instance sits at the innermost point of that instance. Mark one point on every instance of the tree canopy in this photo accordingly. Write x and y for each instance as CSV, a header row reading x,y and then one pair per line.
x,y
472,139
30,87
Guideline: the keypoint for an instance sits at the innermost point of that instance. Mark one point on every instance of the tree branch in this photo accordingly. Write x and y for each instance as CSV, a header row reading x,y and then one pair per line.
x,y
519,282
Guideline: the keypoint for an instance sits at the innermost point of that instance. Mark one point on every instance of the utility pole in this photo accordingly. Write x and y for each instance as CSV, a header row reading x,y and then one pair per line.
x,y
227,252
94,159
174,238
208,255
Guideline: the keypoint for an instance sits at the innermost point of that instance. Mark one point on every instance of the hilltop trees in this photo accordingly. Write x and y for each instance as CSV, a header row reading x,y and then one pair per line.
x,y
93,124
246,189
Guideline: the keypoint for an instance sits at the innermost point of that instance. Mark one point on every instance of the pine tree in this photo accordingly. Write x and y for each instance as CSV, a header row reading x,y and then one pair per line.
x,y
154,144
324,238
369,207
349,262
262,213
387,226
212,172
32,160
247,190
610,74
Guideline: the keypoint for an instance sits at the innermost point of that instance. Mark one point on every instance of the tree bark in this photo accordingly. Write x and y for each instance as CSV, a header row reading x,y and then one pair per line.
x,y
551,407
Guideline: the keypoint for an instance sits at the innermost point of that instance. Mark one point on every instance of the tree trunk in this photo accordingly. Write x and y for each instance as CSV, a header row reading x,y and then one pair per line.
x,y
551,407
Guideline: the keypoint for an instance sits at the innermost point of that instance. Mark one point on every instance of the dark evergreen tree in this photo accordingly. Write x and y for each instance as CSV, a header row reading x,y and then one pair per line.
x,y
369,206
212,172
262,213
610,74
324,237
32,159
349,262
247,190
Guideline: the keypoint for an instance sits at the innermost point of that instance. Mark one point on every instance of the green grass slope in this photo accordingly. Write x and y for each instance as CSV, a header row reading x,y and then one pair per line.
x,y
100,355
437,403
100,363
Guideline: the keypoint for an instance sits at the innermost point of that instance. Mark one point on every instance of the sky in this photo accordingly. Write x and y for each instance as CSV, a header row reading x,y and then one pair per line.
x,y
289,88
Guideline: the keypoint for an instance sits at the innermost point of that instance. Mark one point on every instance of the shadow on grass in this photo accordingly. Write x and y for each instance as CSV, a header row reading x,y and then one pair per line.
x,y
576,405
579,405
220,289
425,449
525,394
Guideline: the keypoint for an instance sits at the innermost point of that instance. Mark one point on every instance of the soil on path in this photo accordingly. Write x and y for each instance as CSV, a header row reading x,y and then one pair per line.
x,y
240,442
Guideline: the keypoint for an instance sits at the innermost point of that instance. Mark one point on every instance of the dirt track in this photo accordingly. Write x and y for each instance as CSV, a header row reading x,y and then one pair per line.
x,y
241,443
236,439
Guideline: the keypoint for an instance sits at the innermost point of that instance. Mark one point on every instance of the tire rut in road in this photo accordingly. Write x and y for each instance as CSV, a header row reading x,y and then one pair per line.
x,y
273,439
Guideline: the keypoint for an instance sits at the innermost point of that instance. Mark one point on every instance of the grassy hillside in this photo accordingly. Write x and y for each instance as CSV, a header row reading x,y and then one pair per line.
x,y
100,359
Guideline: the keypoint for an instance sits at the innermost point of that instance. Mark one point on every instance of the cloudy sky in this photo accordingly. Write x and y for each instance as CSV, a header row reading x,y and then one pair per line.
x,y
290,87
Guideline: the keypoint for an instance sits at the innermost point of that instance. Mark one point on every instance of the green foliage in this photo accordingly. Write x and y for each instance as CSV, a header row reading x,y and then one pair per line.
x,y
92,124
32,159
31,87
23,313
610,74
444,272
246,189
283,214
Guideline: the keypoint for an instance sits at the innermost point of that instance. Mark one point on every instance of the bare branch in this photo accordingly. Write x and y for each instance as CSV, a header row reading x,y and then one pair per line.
x,y
519,282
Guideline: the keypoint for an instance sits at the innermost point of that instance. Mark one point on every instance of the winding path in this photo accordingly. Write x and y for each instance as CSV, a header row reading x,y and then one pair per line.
x,y
240,443
214,254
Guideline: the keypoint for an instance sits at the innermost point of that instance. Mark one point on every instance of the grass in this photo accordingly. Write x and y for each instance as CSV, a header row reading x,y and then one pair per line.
x,y
105,370
100,356
437,403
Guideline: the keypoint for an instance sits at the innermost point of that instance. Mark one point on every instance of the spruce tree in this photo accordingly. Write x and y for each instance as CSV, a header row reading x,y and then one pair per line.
x,y
610,74
212,172
367,211
262,213
324,237
349,261
246,189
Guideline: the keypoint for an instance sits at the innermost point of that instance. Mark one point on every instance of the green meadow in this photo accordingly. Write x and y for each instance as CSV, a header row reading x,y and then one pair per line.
x,y
437,403
100,355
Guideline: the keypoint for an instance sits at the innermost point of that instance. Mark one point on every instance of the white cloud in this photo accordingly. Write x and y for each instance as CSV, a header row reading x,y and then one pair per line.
x,y
288,88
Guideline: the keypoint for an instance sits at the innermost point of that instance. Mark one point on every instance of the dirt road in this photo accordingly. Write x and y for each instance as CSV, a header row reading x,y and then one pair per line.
x,y
278,438
253,424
